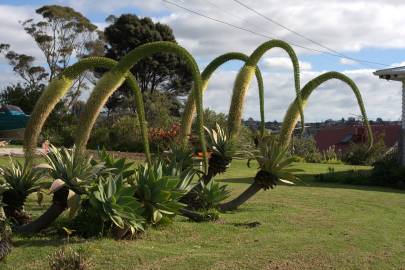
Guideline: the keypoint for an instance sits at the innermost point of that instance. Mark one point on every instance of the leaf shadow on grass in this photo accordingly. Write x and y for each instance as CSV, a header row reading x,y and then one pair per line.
x,y
237,180
308,180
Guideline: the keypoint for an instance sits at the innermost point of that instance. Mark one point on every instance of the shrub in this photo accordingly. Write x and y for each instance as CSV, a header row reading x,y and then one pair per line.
x,y
360,154
125,134
306,149
389,172
161,139
66,258
352,177
386,172
298,159
330,157
159,108
120,134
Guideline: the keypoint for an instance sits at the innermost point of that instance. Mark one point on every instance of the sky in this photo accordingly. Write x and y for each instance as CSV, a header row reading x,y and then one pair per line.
x,y
363,29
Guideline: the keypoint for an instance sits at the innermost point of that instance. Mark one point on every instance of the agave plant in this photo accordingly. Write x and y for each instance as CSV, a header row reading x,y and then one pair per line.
x,y
211,195
22,180
120,72
118,166
5,230
273,167
177,159
114,202
223,148
73,175
158,194
71,168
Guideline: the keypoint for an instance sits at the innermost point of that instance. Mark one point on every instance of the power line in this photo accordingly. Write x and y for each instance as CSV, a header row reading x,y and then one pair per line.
x,y
260,27
238,27
238,17
305,37
260,34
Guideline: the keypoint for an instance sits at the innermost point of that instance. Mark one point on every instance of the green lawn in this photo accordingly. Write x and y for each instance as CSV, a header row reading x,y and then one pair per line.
x,y
308,226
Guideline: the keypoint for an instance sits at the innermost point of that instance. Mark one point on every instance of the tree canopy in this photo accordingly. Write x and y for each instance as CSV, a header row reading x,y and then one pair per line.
x,y
161,71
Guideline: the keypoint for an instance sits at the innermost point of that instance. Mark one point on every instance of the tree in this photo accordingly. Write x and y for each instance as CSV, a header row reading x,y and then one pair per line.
x,y
23,65
25,94
64,34
21,96
162,71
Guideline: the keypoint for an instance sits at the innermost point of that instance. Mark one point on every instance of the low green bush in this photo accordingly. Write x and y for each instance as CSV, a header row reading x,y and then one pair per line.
x,y
352,177
360,154
389,172
386,172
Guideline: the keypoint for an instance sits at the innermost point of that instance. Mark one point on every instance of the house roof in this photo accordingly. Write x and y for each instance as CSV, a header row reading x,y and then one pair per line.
x,y
395,74
341,136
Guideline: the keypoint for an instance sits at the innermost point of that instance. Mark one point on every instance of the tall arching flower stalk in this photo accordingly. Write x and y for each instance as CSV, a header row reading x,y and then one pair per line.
x,y
292,115
244,79
111,80
58,87
189,108
272,173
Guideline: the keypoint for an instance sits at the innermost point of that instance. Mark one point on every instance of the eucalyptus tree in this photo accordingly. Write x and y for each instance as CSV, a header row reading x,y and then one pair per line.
x,y
63,34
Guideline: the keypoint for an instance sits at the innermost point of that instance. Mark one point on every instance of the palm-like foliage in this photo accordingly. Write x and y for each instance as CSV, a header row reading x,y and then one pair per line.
x,y
22,180
220,143
273,168
118,166
73,168
114,202
211,195
273,163
158,194
223,148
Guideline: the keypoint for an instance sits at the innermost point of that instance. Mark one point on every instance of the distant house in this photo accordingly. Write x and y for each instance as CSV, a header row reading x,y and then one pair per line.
x,y
341,136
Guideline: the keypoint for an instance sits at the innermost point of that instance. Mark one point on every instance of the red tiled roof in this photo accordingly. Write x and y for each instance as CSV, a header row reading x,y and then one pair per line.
x,y
329,136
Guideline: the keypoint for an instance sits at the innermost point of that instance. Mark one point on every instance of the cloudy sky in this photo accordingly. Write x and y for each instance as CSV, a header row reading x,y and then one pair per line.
x,y
363,29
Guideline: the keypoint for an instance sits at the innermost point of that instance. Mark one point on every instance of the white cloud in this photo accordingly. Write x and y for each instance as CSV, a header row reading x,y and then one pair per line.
x,y
340,24
284,63
346,61
333,99
12,32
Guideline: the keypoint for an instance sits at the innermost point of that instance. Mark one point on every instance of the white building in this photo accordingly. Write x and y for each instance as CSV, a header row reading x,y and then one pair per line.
x,y
397,74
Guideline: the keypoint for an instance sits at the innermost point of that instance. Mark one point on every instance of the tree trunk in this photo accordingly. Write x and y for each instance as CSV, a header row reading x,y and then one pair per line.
x,y
59,204
242,198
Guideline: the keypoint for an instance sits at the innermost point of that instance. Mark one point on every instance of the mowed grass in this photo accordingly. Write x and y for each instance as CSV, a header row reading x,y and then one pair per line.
x,y
307,226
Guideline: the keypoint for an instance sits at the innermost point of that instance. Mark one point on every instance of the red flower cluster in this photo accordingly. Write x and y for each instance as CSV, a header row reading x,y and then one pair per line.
x,y
162,134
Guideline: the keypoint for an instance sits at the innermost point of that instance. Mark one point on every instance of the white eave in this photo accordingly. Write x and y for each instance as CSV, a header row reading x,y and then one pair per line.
x,y
395,74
